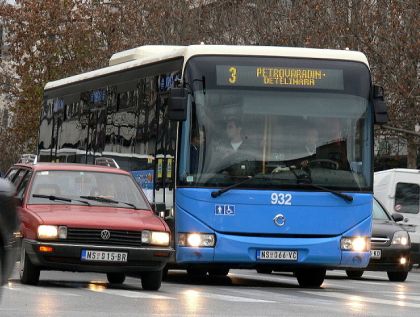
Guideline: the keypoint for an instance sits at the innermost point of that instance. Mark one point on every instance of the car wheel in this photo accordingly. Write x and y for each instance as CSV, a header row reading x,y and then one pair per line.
x,y
397,276
151,281
264,271
354,274
115,278
310,278
219,272
29,273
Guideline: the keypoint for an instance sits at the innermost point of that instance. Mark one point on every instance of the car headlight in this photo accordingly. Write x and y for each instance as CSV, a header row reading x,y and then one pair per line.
x,y
48,232
196,240
359,244
401,238
155,237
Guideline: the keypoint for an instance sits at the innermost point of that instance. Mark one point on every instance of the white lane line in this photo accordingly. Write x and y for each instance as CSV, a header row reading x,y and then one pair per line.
x,y
228,298
127,293
265,277
352,299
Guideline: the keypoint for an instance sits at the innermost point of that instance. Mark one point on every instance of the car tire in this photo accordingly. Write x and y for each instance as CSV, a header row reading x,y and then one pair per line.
x,y
264,271
354,274
29,273
151,281
115,278
219,272
310,278
397,276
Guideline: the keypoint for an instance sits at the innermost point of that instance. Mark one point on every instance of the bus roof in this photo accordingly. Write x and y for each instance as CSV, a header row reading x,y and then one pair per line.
x,y
149,54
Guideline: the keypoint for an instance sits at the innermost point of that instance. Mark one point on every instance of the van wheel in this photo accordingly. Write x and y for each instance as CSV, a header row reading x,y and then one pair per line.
x,y
29,273
115,278
151,281
310,278
397,276
353,274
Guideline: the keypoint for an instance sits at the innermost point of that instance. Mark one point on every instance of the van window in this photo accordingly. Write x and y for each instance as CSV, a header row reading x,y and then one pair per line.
x,y
407,198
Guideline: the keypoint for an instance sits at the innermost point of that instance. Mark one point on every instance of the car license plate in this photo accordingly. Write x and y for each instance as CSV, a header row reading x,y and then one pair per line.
x,y
375,254
104,256
277,255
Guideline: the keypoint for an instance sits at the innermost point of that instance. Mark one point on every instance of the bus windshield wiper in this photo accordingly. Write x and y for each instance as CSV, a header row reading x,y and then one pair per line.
x,y
108,200
217,193
52,197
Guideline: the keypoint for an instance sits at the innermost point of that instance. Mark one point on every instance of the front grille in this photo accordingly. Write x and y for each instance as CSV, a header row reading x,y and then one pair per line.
x,y
93,236
380,241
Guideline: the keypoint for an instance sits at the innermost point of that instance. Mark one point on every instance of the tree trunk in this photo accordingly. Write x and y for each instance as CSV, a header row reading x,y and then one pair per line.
x,y
412,147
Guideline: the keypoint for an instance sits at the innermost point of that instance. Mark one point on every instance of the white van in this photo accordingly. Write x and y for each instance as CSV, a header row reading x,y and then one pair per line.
x,y
399,191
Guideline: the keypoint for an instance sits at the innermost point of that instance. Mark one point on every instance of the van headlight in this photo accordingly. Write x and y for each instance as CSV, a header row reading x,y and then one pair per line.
x,y
155,238
401,238
196,240
359,244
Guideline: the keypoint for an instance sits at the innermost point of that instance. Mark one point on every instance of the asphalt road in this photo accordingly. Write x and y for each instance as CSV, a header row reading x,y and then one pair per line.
x,y
242,293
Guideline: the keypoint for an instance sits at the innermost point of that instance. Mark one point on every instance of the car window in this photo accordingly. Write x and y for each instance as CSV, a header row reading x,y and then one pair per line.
x,y
23,185
11,174
407,198
20,174
85,185
379,212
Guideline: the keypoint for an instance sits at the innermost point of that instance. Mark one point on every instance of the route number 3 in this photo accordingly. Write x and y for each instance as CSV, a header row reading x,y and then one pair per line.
x,y
233,74
281,199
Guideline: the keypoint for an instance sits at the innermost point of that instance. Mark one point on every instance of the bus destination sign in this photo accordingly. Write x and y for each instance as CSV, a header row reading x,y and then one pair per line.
x,y
286,77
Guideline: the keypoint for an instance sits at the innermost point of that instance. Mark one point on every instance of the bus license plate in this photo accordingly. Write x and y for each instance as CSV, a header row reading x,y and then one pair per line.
x,y
104,256
277,255
375,254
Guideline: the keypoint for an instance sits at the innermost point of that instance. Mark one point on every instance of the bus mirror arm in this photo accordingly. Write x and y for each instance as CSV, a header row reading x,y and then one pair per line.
x,y
178,100
379,105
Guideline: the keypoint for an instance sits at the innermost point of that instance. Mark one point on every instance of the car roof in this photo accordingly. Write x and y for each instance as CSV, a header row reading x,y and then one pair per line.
x,y
72,167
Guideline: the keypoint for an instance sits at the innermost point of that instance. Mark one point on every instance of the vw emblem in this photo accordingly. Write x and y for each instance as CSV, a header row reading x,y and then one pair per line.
x,y
105,234
279,220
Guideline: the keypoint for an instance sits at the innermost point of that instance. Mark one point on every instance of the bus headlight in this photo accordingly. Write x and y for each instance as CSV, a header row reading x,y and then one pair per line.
x,y
401,238
359,244
196,240
155,237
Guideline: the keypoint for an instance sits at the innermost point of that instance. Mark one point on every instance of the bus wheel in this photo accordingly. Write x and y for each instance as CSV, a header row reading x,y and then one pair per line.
x,y
197,273
115,278
354,274
264,271
151,281
219,272
397,276
310,278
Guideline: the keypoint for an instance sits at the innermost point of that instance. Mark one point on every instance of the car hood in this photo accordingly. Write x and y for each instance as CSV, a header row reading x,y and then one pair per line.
x,y
385,228
76,216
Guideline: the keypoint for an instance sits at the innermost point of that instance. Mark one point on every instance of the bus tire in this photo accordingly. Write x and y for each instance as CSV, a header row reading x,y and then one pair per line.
x,y
151,281
354,274
29,273
397,276
310,278
197,273
115,278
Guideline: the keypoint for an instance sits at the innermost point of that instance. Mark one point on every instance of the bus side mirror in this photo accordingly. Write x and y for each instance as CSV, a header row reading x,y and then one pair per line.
x,y
381,113
178,100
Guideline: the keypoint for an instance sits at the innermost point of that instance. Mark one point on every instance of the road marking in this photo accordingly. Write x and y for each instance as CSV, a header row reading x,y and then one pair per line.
x,y
37,290
127,293
352,299
228,298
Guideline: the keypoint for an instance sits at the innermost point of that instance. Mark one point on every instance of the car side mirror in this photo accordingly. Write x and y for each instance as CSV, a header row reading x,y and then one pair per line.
x,y
397,217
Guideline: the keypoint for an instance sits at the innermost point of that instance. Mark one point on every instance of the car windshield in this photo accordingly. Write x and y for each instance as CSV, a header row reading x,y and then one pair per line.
x,y
263,125
111,189
379,212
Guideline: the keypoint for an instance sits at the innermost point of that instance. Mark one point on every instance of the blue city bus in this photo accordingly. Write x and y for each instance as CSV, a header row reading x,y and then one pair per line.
x,y
257,157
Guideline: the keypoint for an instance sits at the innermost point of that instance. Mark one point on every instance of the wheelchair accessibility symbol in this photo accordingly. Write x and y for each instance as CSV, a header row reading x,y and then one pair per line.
x,y
224,210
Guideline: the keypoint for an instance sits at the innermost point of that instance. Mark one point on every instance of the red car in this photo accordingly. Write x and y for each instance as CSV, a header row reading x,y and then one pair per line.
x,y
87,218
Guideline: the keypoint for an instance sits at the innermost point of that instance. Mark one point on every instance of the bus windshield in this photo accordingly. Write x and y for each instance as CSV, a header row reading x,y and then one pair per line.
x,y
285,122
